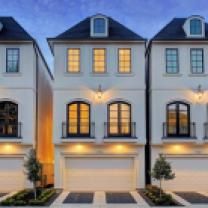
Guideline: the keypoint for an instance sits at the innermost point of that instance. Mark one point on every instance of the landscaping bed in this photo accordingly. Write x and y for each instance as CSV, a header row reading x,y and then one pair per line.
x,y
26,198
152,196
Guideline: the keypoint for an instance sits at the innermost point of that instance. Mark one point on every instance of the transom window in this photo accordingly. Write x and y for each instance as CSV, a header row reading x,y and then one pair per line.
x,y
99,26
197,62
99,59
124,60
119,119
78,119
74,60
178,119
12,57
172,62
195,27
8,119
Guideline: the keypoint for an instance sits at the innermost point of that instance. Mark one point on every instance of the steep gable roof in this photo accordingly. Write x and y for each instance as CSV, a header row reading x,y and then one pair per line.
x,y
81,31
174,31
12,30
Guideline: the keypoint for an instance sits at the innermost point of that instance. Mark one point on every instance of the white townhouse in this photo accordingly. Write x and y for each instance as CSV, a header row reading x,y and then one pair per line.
x,y
178,60
25,104
99,106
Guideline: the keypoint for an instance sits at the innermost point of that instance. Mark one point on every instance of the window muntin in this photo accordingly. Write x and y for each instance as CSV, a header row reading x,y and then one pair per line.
x,y
195,27
99,26
99,60
178,119
78,119
119,119
8,119
73,55
12,60
124,59
172,60
197,62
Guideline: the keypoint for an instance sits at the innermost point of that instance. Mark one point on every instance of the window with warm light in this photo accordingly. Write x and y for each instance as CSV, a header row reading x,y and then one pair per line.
x,y
124,60
119,119
178,119
8,119
74,60
197,61
99,60
78,119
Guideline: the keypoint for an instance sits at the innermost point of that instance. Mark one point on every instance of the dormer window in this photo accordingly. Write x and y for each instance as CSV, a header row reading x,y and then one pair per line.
x,y
195,27
99,26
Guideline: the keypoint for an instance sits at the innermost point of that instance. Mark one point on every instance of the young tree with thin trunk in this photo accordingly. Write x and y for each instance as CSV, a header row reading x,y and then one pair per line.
x,y
33,170
162,171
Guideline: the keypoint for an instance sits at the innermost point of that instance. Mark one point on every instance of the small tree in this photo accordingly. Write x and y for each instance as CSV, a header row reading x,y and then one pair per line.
x,y
162,171
33,170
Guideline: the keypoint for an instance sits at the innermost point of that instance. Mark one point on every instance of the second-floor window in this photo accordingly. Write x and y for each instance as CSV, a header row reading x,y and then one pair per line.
x,y
74,60
99,60
124,59
12,60
197,62
172,62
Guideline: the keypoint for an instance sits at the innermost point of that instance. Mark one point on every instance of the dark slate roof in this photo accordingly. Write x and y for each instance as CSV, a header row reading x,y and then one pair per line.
x,y
12,30
174,31
81,31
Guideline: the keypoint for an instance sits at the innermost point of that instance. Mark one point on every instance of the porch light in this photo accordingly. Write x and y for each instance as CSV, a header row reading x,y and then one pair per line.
x,y
199,92
99,92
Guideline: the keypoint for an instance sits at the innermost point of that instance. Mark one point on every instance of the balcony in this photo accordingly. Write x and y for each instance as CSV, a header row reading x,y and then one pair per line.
x,y
185,133
120,130
78,131
11,131
206,130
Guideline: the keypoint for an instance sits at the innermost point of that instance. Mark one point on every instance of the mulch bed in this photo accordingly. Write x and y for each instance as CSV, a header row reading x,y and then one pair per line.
x,y
150,203
54,197
119,198
79,198
193,197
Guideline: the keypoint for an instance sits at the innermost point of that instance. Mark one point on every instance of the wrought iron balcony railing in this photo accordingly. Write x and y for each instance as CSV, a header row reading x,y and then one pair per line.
x,y
78,130
182,131
11,130
120,130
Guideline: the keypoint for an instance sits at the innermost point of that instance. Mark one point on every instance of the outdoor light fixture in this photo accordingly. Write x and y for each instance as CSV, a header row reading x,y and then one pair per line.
x,y
199,92
99,92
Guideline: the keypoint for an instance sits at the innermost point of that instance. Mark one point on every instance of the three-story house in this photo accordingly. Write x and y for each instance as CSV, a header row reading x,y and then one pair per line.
x,y
178,97
99,106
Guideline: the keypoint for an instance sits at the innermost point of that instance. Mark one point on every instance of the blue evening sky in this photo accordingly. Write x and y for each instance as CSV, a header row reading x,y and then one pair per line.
x,y
47,18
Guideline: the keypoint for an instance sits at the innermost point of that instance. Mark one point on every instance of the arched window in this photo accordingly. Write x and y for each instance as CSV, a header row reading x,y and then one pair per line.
x,y
178,119
78,119
119,119
8,119
195,26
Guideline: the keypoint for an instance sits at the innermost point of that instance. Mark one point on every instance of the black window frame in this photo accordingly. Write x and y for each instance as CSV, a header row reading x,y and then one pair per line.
x,y
18,61
191,61
119,134
177,60
178,134
7,123
78,134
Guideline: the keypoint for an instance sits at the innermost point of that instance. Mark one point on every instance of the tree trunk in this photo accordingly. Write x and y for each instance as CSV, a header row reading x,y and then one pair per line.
x,y
34,190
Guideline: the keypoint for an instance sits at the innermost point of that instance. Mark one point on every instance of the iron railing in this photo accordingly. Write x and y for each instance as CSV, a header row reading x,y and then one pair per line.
x,y
75,130
120,129
206,130
11,130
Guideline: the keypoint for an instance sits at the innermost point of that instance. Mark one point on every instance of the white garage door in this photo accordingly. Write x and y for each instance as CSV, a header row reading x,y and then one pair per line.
x,y
11,174
99,174
191,174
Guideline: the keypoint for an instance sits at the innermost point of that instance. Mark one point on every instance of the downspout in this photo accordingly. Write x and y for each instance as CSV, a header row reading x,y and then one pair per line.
x,y
148,116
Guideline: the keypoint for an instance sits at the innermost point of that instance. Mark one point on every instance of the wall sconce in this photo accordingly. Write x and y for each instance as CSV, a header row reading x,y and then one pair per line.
x,y
199,92
99,92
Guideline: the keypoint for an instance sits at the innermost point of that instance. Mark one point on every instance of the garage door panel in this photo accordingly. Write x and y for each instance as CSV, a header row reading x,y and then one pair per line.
x,y
191,174
99,173
11,174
